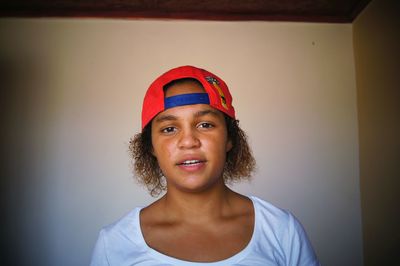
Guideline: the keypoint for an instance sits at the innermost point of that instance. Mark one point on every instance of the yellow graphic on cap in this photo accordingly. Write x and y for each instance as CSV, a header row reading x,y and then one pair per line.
x,y
215,83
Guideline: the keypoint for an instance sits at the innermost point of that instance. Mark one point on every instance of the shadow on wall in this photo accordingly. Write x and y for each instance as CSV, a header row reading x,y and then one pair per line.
x,y
23,143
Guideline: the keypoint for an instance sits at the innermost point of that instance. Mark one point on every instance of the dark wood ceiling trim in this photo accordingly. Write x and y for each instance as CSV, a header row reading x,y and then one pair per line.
x,y
357,8
342,11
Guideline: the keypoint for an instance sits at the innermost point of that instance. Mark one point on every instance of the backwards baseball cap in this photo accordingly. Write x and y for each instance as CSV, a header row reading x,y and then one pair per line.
x,y
217,93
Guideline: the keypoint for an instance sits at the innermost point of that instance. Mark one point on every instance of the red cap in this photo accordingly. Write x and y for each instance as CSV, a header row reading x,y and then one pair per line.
x,y
218,92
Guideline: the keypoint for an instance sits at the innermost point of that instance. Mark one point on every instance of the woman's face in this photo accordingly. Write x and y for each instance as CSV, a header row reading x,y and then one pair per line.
x,y
190,143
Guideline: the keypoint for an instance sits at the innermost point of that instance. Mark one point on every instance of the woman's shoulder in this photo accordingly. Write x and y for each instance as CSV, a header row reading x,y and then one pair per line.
x,y
120,241
269,215
125,230
126,222
281,229
269,209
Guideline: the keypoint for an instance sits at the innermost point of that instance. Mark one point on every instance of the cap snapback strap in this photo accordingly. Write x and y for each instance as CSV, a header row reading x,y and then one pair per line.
x,y
186,99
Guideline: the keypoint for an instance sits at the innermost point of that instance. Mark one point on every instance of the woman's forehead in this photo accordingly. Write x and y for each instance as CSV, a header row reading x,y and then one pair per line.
x,y
186,87
186,111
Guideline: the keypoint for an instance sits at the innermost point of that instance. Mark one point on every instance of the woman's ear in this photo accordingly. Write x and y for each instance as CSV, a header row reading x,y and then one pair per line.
x,y
152,151
229,145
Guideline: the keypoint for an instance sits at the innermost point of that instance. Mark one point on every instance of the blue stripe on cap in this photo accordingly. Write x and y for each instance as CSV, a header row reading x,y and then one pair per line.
x,y
186,99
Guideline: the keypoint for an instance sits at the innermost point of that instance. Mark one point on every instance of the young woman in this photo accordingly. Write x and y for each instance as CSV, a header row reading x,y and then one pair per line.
x,y
191,146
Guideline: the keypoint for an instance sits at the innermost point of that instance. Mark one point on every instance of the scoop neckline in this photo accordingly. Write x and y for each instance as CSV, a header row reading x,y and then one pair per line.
x,y
178,262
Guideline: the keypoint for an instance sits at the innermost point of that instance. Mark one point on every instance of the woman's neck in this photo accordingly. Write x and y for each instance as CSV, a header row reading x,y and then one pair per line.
x,y
198,207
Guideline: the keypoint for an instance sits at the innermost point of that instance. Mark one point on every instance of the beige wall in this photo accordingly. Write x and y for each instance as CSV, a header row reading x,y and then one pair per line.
x,y
73,92
376,43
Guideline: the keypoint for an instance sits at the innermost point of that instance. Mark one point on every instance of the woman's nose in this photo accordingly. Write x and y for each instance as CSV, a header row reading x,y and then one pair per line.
x,y
189,139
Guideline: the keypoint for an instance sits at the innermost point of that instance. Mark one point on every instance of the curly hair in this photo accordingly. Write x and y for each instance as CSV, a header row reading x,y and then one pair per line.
x,y
239,164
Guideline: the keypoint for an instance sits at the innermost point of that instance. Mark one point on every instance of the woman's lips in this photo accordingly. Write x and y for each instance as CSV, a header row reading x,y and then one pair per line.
x,y
191,165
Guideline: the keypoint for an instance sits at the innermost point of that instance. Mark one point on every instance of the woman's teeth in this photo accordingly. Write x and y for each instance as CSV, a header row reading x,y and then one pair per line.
x,y
189,162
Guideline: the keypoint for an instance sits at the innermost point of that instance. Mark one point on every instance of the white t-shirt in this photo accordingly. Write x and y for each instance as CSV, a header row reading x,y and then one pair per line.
x,y
278,239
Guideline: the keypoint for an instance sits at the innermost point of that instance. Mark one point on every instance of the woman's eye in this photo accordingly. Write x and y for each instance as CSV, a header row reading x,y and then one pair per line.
x,y
168,130
205,125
